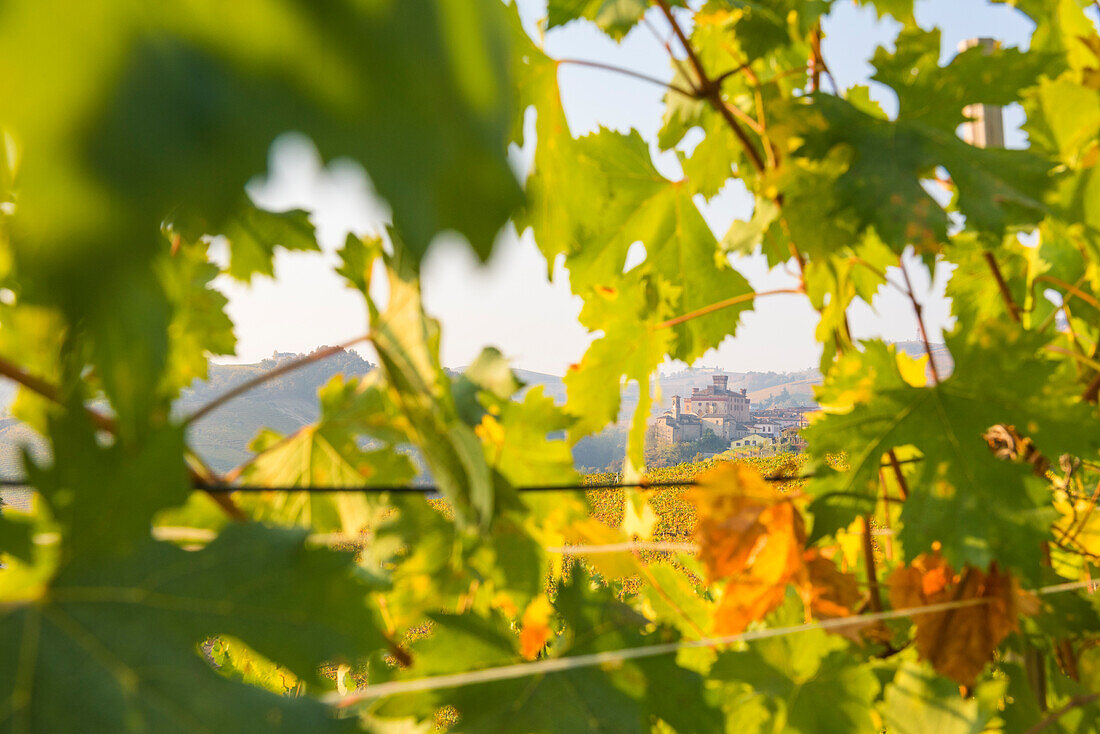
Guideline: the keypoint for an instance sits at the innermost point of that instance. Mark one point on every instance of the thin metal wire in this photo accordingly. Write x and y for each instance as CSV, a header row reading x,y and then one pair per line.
x,y
433,489
611,657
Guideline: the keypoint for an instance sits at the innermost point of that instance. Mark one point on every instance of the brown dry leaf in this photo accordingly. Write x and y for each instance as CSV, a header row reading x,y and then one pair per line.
x,y
830,592
959,642
535,628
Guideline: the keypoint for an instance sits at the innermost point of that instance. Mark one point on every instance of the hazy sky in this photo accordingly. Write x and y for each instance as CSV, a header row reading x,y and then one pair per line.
x,y
509,302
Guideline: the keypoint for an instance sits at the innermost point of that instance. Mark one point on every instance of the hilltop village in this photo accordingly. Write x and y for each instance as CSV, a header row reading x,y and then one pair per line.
x,y
728,415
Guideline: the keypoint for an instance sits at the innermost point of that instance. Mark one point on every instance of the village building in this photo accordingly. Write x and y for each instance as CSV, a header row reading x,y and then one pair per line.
x,y
714,408
753,439
718,400
792,437
676,426
771,429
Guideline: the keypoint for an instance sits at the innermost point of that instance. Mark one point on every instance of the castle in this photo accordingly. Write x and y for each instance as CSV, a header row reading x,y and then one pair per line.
x,y
715,408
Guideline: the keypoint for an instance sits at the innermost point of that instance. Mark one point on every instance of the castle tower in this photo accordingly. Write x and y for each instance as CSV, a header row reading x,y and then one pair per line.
x,y
676,407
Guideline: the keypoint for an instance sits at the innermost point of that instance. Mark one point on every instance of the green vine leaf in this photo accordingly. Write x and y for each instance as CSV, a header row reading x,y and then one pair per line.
x,y
296,606
980,507
633,695
331,452
918,700
801,677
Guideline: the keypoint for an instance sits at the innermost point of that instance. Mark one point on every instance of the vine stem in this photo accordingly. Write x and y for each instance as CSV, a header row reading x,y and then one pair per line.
x,y
919,310
725,303
630,73
1006,294
709,90
903,486
1075,702
271,375
1071,288
869,559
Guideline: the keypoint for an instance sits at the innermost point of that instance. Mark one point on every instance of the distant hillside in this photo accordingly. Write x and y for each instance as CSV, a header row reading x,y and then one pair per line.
x,y
802,388
290,401
284,404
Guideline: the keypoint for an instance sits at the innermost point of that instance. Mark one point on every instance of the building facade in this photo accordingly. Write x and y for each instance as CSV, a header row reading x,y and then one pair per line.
x,y
718,400
676,426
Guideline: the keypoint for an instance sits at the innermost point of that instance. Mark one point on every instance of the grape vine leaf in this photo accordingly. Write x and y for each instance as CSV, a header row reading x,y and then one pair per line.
x,y
809,681
622,199
959,642
253,234
750,537
125,118
407,341
936,95
901,10
616,18
98,524
980,507
15,536
917,700
330,452
187,120
434,564
519,444
199,325
632,695
884,163
113,648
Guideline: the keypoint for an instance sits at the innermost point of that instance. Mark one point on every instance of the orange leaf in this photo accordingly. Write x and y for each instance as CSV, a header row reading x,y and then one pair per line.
x,y
749,534
734,510
535,629
830,591
959,642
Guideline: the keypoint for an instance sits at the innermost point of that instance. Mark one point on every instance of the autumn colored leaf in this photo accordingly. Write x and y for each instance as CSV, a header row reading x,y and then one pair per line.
x,y
959,641
535,629
751,536
830,592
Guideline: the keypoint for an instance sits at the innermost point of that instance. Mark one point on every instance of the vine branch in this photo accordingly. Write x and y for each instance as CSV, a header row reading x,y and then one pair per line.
x,y
1070,288
711,91
869,560
725,303
919,310
1002,285
631,73
105,423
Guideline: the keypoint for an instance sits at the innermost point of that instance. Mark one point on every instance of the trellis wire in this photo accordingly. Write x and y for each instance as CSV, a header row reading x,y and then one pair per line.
x,y
433,489
557,665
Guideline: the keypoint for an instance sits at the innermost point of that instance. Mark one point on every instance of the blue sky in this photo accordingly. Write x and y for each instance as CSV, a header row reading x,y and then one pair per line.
x,y
509,302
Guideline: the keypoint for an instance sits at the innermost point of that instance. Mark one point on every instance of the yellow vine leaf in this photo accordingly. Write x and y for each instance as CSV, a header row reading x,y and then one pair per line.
x,y
592,532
